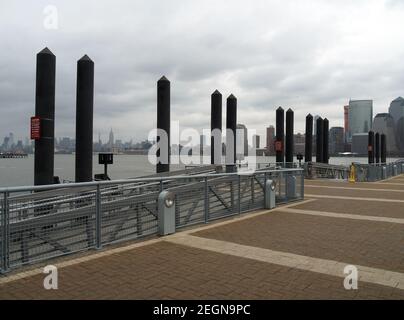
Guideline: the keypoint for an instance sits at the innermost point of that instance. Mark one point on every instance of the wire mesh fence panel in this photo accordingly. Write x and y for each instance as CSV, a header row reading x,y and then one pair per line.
x,y
129,212
251,192
42,227
223,197
190,203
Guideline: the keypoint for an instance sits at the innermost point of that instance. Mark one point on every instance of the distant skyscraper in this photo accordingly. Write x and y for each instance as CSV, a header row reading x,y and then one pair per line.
x,y
271,140
360,117
346,122
202,144
242,128
336,140
11,141
256,141
396,110
360,144
384,123
111,140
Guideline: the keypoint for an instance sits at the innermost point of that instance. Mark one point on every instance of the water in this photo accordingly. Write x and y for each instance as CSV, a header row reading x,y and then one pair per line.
x,y
18,172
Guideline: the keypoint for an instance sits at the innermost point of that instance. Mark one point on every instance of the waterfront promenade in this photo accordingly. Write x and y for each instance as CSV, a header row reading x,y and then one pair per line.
x,y
296,251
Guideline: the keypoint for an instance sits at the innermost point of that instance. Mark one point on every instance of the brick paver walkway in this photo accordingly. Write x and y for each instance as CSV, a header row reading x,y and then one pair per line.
x,y
279,254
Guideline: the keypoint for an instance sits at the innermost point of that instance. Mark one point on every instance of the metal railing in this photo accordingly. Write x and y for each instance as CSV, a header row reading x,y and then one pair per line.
x,y
325,171
376,172
43,222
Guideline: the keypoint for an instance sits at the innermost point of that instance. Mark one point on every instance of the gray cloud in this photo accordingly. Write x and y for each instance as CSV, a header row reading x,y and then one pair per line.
x,y
310,55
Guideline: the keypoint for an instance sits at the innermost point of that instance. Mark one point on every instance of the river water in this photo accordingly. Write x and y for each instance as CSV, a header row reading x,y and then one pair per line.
x,y
18,172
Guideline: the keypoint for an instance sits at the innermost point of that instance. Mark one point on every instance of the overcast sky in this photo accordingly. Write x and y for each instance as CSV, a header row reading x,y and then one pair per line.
x,y
310,55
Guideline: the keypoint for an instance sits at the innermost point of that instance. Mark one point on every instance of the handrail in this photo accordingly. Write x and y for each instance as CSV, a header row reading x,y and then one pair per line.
x,y
127,181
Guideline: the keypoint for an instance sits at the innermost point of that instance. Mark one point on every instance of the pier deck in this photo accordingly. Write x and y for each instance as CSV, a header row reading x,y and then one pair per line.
x,y
296,251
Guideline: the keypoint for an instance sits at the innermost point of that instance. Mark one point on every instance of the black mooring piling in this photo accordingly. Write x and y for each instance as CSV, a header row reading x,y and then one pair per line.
x,y
216,128
280,136
308,150
289,143
45,110
371,147
319,140
326,125
231,127
84,119
163,124
383,148
377,148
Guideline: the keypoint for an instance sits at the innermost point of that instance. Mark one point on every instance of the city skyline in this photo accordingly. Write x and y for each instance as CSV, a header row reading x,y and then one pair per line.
x,y
308,55
357,115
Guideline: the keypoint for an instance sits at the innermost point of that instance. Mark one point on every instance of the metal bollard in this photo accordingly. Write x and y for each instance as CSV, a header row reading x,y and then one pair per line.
x,y
270,192
290,187
166,213
384,173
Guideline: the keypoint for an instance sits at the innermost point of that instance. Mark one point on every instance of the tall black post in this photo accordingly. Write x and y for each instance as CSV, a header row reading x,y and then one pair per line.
x,y
216,128
231,127
371,147
308,151
319,140
280,136
326,125
383,148
45,110
289,137
84,119
377,147
163,124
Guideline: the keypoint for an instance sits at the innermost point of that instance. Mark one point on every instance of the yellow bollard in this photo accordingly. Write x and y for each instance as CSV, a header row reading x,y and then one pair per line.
x,y
352,174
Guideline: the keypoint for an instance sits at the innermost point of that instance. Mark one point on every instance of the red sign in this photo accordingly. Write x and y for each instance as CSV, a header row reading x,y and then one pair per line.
x,y
278,145
35,128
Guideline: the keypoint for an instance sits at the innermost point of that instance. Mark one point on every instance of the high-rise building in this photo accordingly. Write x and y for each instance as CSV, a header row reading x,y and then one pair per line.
x,y
360,144
11,141
384,123
111,140
256,141
396,111
360,115
242,139
346,122
336,140
270,140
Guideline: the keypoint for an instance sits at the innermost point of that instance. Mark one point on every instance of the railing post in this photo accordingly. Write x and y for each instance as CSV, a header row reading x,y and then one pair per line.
x,y
239,194
206,200
98,217
5,221
252,189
